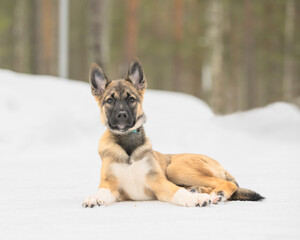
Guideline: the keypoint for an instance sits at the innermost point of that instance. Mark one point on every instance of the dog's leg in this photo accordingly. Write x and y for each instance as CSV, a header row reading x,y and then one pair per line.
x,y
221,188
192,177
195,172
167,191
224,189
107,192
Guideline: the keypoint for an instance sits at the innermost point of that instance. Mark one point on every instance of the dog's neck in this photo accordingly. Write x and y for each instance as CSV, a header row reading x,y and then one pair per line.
x,y
132,140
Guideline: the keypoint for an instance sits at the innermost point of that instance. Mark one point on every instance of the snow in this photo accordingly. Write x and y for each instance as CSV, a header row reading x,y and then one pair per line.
x,y
49,131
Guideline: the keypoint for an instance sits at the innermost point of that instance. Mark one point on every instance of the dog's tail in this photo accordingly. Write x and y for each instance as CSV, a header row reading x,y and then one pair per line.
x,y
243,194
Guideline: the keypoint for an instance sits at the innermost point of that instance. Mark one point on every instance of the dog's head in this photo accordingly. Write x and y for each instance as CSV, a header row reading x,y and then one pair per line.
x,y
120,100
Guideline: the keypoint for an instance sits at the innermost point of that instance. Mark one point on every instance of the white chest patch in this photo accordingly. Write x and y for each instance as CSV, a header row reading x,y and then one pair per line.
x,y
132,178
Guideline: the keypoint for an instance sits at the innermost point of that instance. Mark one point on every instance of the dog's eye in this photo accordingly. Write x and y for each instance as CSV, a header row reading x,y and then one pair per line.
x,y
109,101
131,99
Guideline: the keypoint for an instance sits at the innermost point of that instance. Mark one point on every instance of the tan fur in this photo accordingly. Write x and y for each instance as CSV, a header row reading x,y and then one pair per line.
x,y
165,172
199,170
157,184
149,175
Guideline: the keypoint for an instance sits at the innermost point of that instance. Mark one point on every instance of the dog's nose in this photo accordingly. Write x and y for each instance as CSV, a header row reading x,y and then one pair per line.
x,y
122,115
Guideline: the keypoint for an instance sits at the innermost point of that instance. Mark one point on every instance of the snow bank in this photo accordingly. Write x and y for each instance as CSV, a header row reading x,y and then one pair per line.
x,y
49,130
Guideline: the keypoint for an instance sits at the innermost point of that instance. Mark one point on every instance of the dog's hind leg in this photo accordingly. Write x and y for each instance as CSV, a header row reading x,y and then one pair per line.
x,y
186,175
230,178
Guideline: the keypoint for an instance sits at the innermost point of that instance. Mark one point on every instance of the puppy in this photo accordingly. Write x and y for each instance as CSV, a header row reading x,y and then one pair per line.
x,y
132,170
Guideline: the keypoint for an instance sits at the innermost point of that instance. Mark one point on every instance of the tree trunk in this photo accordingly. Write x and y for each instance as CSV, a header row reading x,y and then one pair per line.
x,y
95,13
288,54
45,37
20,33
63,39
99,21
229,72
105,37
178,35
131,30
215,36
247,83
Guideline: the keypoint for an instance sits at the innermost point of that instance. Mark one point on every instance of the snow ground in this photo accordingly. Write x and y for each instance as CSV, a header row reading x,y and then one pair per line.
x,y
49,131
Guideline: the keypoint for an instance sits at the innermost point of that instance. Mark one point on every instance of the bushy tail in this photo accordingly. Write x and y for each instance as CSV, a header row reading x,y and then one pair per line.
x,y
245,195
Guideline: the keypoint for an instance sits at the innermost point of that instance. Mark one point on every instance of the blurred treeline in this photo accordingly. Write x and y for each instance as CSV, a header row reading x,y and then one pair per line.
x,y
234,54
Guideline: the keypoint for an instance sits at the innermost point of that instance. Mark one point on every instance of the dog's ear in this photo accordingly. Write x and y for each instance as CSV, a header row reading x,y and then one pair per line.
x,y
136,75
98,80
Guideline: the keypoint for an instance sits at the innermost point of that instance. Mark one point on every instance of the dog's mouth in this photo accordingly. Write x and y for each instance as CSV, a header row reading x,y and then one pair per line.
x,y
120,127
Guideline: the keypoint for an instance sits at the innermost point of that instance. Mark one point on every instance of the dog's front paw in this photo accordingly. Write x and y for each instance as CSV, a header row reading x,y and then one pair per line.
x,y
103,197
185,198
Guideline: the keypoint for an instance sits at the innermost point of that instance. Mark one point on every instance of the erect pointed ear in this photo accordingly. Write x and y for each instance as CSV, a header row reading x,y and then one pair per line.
x,y
136,75
98,80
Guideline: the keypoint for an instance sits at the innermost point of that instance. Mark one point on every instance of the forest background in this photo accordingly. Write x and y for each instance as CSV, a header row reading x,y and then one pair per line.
x,y
233,54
